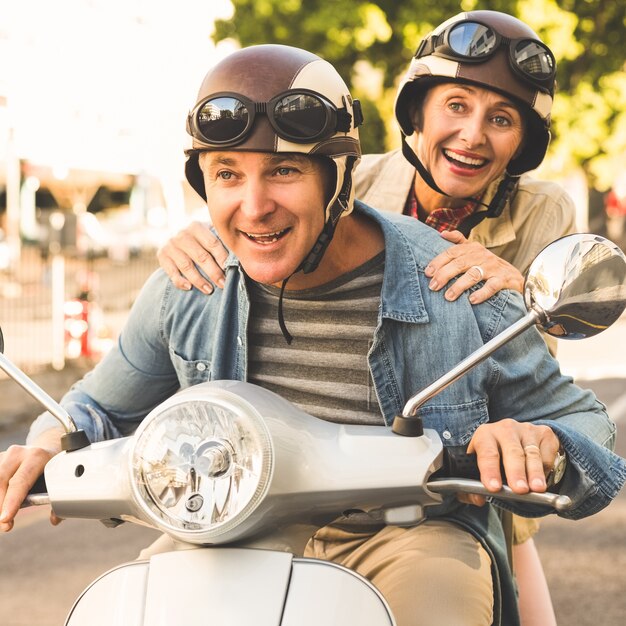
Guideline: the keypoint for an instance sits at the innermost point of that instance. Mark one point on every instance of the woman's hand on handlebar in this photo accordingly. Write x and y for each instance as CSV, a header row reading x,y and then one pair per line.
x,y
526,452
193,247
20,467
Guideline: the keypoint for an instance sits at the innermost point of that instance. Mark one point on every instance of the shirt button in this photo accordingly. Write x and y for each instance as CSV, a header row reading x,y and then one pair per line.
x,y
201,367
446,434
239,341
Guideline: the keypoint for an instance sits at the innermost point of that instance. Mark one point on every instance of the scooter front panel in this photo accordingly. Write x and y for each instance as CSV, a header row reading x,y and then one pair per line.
x,y
117,598
326,594
229,586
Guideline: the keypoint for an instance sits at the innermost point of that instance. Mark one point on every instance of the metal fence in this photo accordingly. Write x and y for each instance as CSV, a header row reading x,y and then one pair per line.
x,y
27,296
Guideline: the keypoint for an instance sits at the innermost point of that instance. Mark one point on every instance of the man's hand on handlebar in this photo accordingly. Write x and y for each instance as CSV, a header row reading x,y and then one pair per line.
x,y
20,467
526,451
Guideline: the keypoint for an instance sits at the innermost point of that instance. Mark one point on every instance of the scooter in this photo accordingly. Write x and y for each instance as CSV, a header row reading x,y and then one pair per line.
x,y
239,479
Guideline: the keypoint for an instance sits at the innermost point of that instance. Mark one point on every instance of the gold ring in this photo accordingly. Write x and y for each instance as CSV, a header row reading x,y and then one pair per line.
x,y
531,445
479,270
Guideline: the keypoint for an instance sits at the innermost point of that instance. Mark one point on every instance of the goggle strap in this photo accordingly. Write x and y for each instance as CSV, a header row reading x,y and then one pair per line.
x,y
426,47
357,111
344,120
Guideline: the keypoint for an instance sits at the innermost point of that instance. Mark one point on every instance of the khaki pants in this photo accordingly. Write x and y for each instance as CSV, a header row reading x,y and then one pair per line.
x,y
434,574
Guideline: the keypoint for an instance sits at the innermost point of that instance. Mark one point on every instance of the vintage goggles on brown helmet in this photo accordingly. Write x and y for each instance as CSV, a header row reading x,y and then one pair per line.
x,y
470,41
225,119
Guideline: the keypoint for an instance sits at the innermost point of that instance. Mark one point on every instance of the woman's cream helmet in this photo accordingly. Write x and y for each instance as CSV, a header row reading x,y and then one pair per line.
x,y
495,51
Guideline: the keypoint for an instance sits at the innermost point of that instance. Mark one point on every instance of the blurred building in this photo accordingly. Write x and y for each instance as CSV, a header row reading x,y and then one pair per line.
x,y
93,98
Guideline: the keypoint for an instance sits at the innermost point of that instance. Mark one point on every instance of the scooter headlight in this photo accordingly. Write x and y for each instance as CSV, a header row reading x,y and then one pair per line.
x,y
201,465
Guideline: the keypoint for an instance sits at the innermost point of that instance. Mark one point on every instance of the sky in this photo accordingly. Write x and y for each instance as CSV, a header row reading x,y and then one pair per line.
x,y
103,84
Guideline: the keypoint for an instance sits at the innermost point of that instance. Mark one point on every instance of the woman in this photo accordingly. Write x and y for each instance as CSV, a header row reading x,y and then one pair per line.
x,y
474,110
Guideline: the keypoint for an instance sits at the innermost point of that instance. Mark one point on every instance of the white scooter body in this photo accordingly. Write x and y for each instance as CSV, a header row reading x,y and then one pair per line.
x,y
235,565
233,586
320,469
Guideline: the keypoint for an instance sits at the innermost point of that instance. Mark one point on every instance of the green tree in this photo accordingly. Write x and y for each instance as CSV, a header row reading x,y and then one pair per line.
x,y
371,43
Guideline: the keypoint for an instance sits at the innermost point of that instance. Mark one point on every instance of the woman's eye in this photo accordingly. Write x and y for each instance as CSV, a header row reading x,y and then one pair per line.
x,y
225,175
500,120
455,106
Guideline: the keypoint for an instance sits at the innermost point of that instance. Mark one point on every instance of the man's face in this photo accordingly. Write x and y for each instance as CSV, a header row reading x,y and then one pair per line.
x,y
267,208
468,136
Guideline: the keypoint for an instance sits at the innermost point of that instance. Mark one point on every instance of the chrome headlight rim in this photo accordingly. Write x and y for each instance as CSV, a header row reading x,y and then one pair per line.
x,y
225,400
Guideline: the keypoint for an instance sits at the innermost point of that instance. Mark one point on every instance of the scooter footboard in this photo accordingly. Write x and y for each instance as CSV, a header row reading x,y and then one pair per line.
x,y
230,586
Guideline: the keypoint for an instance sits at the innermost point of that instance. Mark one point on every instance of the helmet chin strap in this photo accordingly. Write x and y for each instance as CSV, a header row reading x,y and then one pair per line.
x,y
314,257
506,188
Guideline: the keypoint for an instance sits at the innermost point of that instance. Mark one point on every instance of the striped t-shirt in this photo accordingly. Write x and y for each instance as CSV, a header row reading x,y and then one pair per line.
x,y
324,371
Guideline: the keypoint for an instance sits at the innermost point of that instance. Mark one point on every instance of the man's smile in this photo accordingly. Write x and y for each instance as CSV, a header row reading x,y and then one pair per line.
x,y
266,238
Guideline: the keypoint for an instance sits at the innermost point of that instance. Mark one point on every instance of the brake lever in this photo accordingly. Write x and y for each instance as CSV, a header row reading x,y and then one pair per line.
x,y
35,499
465,485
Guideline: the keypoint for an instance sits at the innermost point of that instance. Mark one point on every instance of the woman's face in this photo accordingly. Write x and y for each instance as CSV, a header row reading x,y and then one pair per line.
x,y
467,137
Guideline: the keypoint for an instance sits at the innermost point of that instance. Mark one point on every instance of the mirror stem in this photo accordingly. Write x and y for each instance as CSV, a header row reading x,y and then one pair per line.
x,y
38,394
534,316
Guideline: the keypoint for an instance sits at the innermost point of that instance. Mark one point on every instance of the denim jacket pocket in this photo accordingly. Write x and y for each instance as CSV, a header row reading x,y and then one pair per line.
x,y
190,372
455,423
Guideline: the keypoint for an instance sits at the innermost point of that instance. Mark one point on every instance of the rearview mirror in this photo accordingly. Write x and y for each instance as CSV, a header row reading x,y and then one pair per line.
x,y
579,282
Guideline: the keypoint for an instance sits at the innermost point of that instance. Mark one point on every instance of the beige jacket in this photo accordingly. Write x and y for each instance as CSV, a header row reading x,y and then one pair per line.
x,y
539,213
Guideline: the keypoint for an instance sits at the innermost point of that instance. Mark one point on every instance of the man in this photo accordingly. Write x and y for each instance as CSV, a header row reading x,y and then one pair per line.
x,y
474,108
273,158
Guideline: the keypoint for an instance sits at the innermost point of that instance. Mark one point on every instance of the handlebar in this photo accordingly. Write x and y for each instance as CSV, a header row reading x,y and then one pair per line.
x,y
465,485
460,474
35,499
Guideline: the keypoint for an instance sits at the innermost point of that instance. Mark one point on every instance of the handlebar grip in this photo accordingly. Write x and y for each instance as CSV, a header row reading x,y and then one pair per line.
x,y
39,486
457,462
37,494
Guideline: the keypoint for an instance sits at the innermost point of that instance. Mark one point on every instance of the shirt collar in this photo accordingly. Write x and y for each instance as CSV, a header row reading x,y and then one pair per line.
x,y
444,218
401,296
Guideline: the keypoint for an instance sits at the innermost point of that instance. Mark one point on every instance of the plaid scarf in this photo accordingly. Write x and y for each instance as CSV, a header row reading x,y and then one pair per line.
x,y
440,219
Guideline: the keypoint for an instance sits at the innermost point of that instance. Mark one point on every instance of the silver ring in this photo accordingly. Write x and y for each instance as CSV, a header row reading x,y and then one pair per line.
x,y
479,270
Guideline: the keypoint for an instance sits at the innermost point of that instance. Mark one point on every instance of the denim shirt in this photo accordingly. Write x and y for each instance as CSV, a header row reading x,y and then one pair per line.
x,y
174,339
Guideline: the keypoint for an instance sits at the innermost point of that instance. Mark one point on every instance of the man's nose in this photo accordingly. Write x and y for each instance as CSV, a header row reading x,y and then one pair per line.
x,y
257,202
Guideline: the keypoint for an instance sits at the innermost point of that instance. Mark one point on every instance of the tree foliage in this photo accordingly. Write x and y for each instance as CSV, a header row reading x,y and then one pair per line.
x,y
377,39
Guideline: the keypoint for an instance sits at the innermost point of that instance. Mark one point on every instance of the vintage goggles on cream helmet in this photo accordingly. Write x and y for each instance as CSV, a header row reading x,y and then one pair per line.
x,y
492,50
274,98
